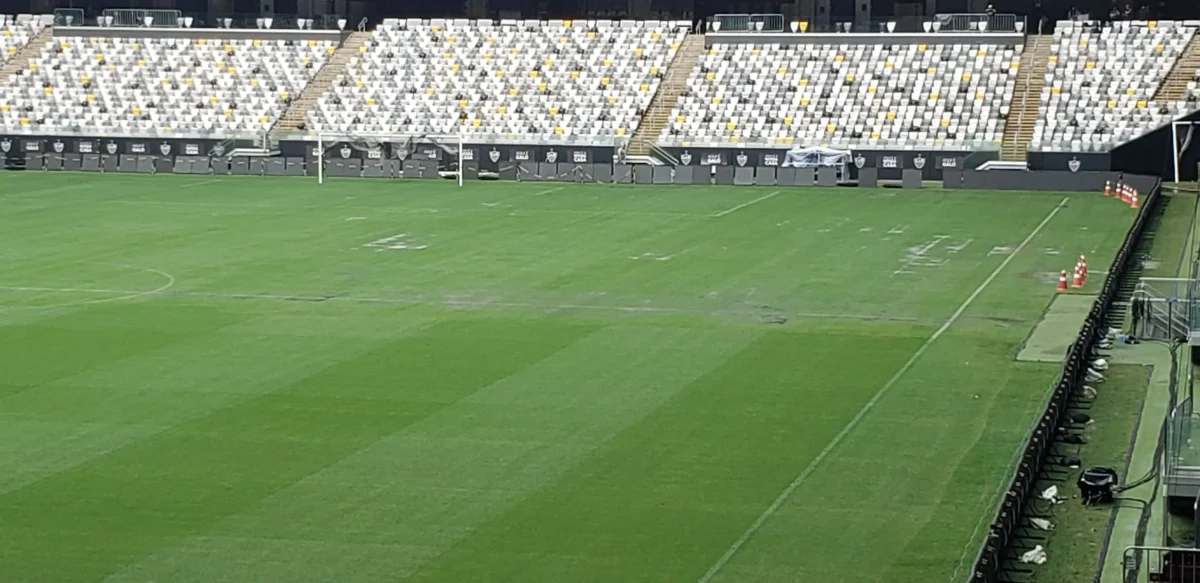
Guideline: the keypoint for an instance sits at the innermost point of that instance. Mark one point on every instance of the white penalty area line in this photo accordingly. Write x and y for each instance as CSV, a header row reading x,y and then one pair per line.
x,y
746,204
837,439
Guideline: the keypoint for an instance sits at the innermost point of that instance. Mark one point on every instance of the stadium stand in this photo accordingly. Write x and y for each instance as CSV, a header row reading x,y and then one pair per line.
x,y
549,80
1102,81
16,31
904,95
159,85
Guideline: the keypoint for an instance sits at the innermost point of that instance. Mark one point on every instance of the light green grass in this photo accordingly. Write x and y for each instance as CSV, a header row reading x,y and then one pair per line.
x,y
218,381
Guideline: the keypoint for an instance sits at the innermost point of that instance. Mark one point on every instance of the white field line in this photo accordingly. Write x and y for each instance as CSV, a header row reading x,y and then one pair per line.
x,y
190,184
746,204
841,435
125,294
551,191
130,294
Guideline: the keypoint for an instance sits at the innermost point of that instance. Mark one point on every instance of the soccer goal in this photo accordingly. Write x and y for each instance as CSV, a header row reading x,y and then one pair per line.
x,y
1181,140
388,155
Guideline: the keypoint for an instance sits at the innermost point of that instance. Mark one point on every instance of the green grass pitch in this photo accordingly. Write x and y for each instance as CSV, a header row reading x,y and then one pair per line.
x,y
267,380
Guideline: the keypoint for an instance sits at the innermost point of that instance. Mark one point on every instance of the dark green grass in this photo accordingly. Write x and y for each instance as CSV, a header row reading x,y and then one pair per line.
x,y
216,379
1080,531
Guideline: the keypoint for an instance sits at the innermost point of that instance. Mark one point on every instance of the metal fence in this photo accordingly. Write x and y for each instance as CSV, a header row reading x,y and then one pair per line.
x,y
959,23
1161,308
68,17
1193,295
980,23
129,17
1167,564
747,23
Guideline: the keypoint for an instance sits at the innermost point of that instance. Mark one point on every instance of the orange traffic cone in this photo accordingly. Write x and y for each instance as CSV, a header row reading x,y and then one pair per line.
x,y
1133,203
1083,266
1107,188
1123,194
1077,279
1062,281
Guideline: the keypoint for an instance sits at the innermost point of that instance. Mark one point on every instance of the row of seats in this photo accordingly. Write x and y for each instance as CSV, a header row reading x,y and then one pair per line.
x,y
586,80
160,85
930,96
16,31
1101,82
537,80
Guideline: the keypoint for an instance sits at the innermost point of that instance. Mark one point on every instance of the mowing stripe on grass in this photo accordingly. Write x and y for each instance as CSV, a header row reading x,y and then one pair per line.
x,y
746,204
837,439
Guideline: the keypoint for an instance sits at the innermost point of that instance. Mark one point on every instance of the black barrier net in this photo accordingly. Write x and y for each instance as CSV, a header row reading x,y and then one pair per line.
x,y
995,560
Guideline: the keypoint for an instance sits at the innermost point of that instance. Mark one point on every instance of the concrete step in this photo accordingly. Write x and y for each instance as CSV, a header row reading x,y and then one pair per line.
x,y
675,81
33,48
297,112
1025,105
1174,85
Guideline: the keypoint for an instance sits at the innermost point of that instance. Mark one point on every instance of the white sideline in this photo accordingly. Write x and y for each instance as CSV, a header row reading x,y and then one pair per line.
x,y
746,204
837,439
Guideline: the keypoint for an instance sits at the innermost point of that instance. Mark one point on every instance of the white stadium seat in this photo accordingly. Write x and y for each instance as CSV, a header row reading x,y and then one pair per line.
x,y
535,80
161,86
1101,81
16,31
860,96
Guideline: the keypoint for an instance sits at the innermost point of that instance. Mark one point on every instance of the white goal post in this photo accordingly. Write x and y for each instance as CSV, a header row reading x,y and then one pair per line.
x,y
388,146
1176,147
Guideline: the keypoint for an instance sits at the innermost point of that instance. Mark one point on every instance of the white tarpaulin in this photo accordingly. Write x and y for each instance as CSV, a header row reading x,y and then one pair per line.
x,y
816,157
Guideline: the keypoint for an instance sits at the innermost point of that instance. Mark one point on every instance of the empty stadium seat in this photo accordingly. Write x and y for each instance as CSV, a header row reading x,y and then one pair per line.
x,y
16,31
179,86
863,96
547,80
1101,81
